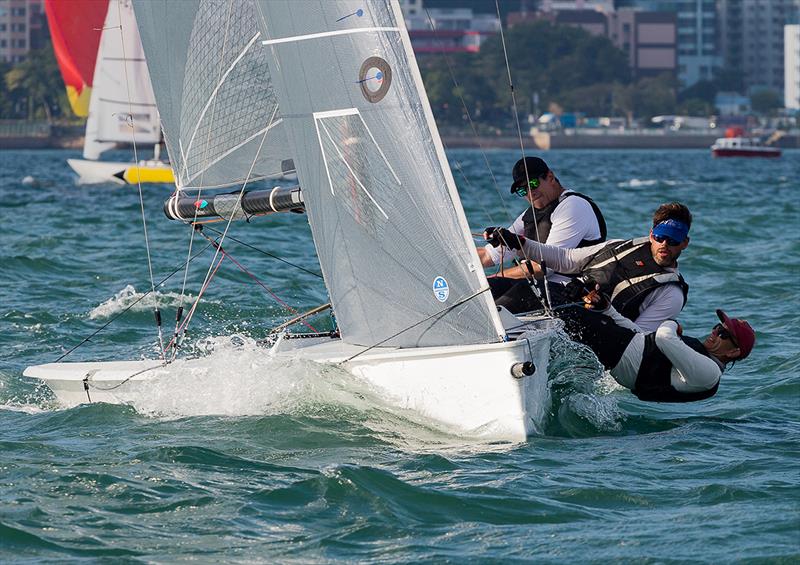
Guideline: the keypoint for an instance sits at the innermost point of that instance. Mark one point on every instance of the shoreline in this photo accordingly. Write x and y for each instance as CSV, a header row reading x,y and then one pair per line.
x,y
45,136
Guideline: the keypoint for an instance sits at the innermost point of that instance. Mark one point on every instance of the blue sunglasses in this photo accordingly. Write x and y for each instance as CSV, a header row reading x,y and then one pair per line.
x,y
662,238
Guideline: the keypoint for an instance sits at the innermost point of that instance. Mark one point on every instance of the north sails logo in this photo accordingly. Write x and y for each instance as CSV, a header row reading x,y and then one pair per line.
x,y
440,289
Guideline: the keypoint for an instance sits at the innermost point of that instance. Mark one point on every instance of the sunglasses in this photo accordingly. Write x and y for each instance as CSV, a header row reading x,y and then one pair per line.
x,y
671,242
723,333
523,190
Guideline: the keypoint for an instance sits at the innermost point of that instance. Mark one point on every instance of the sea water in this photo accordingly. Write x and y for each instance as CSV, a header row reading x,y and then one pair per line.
x,y
245,459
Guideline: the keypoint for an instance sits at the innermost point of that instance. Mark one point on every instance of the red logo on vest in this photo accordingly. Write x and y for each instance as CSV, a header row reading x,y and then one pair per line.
x,y
640,263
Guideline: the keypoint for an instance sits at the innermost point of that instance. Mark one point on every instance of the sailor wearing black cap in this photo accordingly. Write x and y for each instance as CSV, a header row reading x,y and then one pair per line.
x,y
556,216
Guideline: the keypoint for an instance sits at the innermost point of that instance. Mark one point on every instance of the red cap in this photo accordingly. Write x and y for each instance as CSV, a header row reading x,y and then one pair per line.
x,y
743,334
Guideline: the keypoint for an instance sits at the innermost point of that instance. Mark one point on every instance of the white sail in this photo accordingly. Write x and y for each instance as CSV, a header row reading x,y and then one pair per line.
x,y
212,83
122,97
389,229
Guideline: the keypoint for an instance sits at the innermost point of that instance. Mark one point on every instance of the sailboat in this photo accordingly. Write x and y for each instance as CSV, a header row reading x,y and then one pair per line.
x,y
121,106
254,87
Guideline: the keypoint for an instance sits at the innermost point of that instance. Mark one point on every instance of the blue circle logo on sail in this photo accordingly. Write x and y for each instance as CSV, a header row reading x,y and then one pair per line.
x,y
440,289
374,77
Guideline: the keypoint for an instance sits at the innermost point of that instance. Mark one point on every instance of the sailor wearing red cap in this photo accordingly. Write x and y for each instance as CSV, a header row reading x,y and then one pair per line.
x,y
661,366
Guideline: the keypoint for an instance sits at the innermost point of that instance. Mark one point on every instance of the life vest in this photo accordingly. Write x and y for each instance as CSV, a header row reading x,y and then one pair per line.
x,y
532,217
653,383
627,273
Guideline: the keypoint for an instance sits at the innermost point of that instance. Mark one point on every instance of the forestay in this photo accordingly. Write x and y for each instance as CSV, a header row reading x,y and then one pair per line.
x,y
122,96
387,222
212,84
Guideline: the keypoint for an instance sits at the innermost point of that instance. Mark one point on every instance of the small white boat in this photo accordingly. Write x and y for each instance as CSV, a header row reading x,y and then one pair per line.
x,y
743,147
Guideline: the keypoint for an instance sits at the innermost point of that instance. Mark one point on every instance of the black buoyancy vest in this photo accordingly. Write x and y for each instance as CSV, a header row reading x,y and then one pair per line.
x,y
653,383
627,272
532,217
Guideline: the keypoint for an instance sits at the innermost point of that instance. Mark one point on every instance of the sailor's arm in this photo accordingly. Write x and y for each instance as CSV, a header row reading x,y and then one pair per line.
x,y
567,261
663,303
696,372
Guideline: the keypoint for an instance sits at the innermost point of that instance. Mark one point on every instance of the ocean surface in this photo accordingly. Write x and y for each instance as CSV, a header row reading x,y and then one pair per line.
x,y
256,461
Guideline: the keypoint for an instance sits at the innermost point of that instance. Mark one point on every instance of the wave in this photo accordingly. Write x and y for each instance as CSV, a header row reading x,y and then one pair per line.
x,y
129,295
637,183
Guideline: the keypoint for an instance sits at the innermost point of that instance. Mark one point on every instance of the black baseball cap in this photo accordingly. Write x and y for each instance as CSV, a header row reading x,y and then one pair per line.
x,y
537,168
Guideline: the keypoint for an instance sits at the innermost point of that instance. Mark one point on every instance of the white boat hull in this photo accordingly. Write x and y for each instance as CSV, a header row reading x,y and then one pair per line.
x,y
467,390
92,172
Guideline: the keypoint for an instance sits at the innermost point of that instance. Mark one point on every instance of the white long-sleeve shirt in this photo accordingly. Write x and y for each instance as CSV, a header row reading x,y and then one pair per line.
x,y
663,303
691,371
573,220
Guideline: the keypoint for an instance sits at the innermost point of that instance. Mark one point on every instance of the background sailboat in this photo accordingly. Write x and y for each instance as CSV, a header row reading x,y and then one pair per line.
x,y
121,106
414,314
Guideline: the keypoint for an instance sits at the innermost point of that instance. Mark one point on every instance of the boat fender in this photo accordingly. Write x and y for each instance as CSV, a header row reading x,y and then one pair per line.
x,y
522,370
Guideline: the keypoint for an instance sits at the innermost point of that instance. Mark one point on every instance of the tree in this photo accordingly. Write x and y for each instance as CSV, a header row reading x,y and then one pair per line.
x,y
37,83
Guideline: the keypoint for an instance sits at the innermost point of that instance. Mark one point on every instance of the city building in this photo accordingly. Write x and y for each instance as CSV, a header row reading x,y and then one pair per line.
x,y
647,38
411,8
454,30
697,39
791,66
605,6
751,39
22,27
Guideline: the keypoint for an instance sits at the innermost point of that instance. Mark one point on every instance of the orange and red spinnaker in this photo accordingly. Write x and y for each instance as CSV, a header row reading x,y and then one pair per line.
x,y
75,27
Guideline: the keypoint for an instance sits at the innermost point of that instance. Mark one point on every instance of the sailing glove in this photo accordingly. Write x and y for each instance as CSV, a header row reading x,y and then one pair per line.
x,y
501,236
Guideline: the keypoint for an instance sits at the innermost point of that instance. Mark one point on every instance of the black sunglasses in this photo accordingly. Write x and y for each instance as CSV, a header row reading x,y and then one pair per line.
x,y
662,238
723,333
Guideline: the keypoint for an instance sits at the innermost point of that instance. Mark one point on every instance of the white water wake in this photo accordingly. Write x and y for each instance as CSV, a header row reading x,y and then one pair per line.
x,y
129,295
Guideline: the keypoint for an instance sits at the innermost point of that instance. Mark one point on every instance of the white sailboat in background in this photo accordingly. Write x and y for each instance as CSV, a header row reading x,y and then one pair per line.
x,y
122,106
415,317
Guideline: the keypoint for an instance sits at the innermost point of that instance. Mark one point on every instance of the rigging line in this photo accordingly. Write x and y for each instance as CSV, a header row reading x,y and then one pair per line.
x,y
471,123
134,303
126,379
220,79
501,267
239,196
414,325
547,305
244,269
156,311
190,315
267,253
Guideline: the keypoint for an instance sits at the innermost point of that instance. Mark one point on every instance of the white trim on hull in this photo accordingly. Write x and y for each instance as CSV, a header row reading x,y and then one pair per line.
x,y
468,390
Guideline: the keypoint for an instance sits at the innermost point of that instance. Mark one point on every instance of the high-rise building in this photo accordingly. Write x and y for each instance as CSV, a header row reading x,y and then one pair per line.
x,y
698,48
22,27
411,8
791,66
751,37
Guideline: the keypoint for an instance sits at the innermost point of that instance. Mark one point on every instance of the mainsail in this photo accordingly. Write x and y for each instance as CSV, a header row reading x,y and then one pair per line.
x,y
388,226
212,84
390,232
122,96
74,29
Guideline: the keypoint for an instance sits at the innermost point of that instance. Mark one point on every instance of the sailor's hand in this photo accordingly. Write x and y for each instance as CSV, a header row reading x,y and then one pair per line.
x,y
596,300
501,236
576,289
